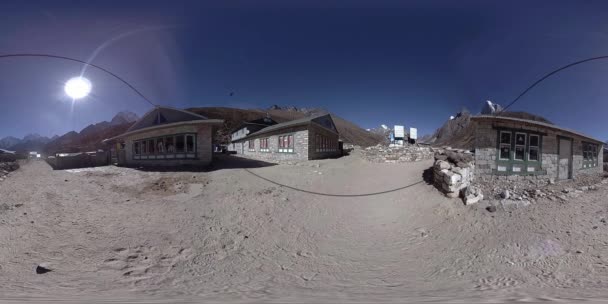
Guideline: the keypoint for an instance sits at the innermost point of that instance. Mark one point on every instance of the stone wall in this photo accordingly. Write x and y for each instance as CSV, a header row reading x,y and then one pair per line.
x,y
300,148
453,173
397,154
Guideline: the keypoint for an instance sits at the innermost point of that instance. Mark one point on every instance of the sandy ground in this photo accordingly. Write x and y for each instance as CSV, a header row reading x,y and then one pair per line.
x,y
231,234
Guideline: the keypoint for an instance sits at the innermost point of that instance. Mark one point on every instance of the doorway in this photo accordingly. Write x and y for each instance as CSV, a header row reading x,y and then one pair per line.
x,y
564,162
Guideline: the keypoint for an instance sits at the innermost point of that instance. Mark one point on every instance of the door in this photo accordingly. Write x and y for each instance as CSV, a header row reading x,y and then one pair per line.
x,y
564,166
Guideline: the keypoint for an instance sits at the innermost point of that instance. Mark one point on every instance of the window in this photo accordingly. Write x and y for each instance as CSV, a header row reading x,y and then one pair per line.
x,y
520,146
534,146
519,152
505,145
251,145
286,143
165,147
189,143
264,145
590,155
136,150
324,144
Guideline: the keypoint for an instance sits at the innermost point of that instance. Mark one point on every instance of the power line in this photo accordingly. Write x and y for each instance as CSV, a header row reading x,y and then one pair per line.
x,y
83,62
547,76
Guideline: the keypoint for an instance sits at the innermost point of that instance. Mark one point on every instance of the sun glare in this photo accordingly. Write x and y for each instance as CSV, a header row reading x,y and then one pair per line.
x,y
78,87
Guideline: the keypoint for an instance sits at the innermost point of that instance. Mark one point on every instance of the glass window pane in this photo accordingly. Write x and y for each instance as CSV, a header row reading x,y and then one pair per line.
x,y
533,140
189,143
179,143
151,149
169,147
160,145
505,152
519,153
505,138
520,139
533,154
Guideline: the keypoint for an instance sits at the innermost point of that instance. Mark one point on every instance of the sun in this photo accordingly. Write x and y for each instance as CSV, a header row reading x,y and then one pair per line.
x,y
78,87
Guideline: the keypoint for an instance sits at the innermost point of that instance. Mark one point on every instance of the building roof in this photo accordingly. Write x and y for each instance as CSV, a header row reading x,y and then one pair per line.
x,y
265,122
163,117
288,124
535,124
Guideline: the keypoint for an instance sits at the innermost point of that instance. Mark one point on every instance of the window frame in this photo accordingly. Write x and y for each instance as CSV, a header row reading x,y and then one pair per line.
x,y
145,153
592,149
290,143
264,147
251,145
513,166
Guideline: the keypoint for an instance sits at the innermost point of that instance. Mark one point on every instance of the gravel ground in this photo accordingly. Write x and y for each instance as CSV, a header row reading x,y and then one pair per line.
x,y
232,234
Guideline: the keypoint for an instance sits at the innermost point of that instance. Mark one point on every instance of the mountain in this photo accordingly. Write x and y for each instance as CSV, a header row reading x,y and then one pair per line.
x,y
349,132
90,138
490,108
459,132
123,118
31,142
9,141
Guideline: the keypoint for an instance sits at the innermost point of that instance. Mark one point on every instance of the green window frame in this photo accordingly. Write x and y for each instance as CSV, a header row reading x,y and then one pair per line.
x,y
518,152
590,155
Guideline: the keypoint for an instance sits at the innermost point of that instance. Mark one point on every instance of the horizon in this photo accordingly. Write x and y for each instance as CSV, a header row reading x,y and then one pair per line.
x,y
413,63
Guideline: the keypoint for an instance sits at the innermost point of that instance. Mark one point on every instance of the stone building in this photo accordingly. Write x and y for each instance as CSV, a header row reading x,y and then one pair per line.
x,y
308,138
524,149
247,128
166,137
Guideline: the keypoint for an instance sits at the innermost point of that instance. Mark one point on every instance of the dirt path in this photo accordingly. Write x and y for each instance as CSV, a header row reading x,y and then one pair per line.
x,y
229,234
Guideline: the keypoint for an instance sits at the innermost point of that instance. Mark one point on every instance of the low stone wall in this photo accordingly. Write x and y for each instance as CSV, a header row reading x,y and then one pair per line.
x,y
397,154
82,160
453,173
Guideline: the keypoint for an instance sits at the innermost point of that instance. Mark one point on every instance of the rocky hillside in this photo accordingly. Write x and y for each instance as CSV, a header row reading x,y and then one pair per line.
x,y
349,132
90,138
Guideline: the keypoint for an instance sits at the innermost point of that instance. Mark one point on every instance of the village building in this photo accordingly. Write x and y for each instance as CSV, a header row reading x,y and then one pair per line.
x,y
166,137
247,128
523,149
308,138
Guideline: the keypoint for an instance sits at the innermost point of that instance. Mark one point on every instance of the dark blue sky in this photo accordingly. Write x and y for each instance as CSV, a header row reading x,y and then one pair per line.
x,y
394,62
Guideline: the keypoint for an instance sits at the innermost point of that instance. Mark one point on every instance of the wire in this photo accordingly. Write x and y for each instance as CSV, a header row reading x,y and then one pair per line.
x,y
83,62
547,76
330,194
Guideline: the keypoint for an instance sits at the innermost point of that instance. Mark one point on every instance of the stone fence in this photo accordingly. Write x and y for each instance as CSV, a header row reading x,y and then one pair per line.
x,y
397,154
453,173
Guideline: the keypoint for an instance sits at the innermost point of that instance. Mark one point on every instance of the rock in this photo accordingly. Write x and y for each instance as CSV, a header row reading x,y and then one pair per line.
x,y
593,187
441,157
584,188
505,194
491,209
567,190
452,194
552,181
442,165
43,268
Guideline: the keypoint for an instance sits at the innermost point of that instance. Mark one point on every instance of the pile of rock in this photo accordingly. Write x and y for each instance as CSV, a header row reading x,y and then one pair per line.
x,y
397,154
453,174
6,167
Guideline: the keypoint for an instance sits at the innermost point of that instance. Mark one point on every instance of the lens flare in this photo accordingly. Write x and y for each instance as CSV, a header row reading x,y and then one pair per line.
x,y
78,87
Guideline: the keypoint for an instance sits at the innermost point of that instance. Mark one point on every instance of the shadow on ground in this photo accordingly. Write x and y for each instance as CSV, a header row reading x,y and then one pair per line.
x,y
427,176
220,162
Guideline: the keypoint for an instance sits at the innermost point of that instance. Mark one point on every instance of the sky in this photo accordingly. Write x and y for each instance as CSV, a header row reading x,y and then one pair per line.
x,y
411,63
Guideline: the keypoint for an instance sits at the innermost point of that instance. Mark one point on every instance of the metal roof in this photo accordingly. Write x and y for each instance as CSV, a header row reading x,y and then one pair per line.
x,y
534,123
283,125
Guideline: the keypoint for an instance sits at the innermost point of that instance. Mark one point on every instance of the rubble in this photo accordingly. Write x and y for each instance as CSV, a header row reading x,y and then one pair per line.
x,y
397,154
453,173
6,168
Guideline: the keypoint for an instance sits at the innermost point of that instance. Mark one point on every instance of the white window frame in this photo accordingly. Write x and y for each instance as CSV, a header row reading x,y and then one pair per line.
x,y
267,149
515,146
530,147
287,149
